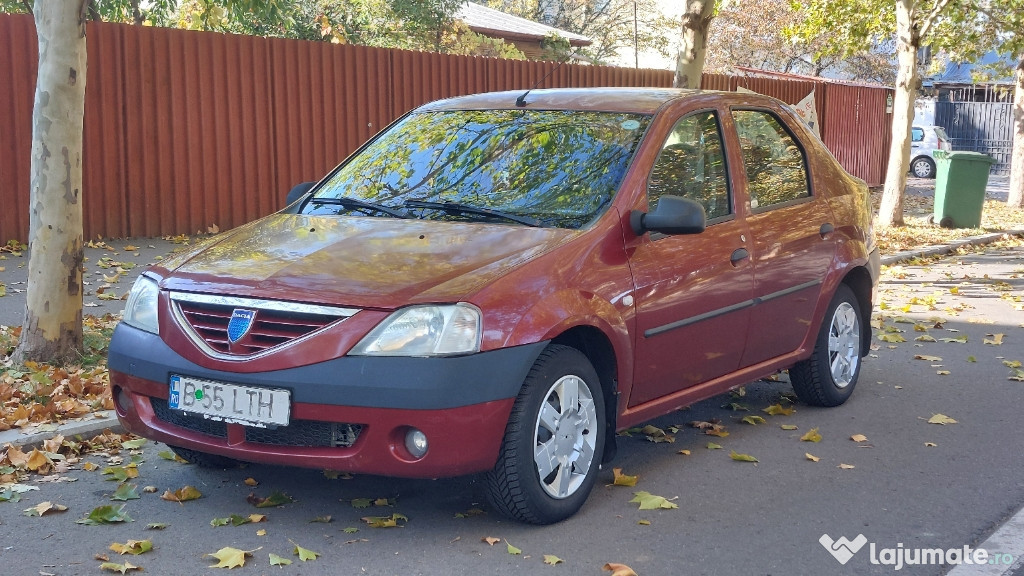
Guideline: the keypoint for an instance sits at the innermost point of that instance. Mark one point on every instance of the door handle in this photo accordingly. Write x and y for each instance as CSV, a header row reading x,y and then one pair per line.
x,y
826,229
739,255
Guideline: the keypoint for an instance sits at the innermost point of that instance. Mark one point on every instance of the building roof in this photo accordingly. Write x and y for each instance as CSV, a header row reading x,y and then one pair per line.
x,y
963,73
489,22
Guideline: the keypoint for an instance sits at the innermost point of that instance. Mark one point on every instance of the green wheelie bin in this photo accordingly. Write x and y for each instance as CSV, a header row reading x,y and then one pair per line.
x,y
960,182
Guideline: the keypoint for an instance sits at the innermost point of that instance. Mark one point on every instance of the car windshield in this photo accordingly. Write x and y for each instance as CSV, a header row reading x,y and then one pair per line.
x,y
551,168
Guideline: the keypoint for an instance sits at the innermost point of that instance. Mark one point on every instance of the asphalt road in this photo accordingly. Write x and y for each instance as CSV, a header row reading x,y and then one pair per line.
x,y
912,484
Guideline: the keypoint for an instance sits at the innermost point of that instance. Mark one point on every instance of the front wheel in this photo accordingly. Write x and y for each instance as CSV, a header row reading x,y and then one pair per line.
x,y
827,378
553,442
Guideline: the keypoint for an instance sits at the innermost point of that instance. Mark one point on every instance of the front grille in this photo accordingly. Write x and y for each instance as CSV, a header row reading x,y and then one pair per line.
x,y
311,433
206,317
308,433
188,421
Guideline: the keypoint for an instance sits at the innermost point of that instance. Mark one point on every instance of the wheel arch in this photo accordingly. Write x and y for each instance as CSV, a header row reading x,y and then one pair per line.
x,y
595,345
859,280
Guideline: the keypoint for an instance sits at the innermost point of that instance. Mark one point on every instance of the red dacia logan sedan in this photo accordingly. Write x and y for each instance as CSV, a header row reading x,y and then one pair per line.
x,y
498,283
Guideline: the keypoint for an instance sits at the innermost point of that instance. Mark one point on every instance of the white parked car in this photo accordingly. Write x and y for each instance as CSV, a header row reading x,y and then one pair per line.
x,y
925,140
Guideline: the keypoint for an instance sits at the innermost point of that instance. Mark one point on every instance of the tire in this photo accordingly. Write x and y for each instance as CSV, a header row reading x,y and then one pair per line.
x,y
204,460
567,439
923,167
828,377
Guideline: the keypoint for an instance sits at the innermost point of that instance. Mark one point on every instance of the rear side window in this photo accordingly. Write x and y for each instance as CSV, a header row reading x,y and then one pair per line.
x,y
941,133
691,164
775,165
917,134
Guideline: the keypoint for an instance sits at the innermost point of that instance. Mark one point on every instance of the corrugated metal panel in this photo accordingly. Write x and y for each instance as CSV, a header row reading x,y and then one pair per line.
x,y
18,60
185,130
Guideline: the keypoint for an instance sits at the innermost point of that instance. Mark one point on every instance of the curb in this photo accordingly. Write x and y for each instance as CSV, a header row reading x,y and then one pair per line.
x,y
947,248
88,427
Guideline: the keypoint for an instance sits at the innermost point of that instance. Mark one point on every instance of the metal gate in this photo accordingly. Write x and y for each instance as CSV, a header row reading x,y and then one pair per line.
x,y
985,127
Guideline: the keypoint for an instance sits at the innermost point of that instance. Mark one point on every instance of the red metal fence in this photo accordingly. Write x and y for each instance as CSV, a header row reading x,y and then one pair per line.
x,y
185,130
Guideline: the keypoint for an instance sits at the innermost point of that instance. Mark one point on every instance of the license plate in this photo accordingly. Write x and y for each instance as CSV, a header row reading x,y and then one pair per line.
x,y
221,401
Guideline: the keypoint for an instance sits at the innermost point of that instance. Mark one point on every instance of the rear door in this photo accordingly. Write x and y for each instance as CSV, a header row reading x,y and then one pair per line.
x,y
692,291
791,230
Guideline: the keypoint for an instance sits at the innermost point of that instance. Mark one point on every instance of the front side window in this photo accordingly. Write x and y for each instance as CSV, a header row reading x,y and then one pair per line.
x,y
774,163
691,164
539,167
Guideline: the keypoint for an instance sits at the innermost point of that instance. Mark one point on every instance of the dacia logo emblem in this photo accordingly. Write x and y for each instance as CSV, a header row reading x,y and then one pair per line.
x,y
240,323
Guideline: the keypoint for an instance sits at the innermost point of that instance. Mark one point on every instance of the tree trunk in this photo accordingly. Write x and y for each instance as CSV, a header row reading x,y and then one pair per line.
x,y
907,42
52,330
1016,197
690,61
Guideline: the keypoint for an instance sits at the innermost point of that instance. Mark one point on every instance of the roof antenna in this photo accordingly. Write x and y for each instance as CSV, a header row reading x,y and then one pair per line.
x,y
521,101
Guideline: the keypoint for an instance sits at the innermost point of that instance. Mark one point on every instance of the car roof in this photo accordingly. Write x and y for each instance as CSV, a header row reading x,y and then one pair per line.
x,y
629,100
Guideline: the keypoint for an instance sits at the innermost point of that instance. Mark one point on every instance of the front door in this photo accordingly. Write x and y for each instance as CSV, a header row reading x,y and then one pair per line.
x,y
693,292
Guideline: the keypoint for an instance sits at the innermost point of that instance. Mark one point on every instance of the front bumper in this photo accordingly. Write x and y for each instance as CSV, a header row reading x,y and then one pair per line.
x,y
349,414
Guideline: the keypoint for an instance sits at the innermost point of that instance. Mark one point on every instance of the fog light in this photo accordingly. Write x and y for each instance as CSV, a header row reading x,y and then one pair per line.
x,y
124,401
416,443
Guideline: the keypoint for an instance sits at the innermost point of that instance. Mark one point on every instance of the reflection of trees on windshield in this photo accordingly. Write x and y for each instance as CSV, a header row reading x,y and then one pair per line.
x,y
773,161
560,167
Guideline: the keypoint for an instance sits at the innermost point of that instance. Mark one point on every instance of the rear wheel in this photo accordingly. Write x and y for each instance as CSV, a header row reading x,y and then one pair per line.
x,y
923,167
828,377
553,442
204,460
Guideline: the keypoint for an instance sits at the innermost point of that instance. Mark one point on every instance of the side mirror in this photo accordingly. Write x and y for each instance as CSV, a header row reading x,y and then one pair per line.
x,y
298,192
673,215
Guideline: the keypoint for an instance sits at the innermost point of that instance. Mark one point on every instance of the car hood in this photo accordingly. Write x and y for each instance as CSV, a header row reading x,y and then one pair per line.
x,y
352,261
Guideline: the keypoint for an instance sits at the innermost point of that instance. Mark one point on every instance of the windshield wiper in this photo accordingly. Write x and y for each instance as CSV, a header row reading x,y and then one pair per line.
x,y
456,208
361,205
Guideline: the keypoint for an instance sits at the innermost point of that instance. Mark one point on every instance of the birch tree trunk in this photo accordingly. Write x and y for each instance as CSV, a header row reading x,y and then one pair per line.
x,y
907,43
52,330
690,61
1016,197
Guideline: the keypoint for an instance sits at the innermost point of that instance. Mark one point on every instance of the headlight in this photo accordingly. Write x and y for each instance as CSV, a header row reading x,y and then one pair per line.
x,y
424,331
140,311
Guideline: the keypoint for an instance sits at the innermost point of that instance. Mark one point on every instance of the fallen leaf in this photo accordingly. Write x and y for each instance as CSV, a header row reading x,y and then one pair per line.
x,y
304,554
261,532
619,569
469,513
713,446
742,457
957,340
655,434
972,359
648,501
930,444
846,466
156,526
276,560
491,540
44,508
789,427
183,494
512,549
811,457
122,568
684,452
385,521
251,482
622,479
229,557
859,438
927,358
321,520
812,435
943,372
643,522
925,338
149,489
133,444
105,515
90,466
997,339
362,502
891,338
133,547
125,492
551,560
275,499
778,410
941,419
754,420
